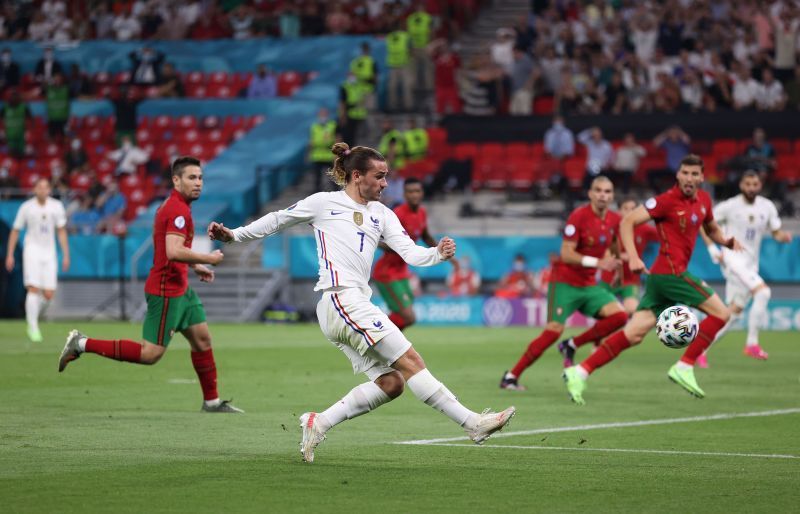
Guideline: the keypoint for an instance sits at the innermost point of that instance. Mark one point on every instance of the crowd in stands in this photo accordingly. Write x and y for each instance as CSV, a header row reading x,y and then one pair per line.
x,y
62,22
612,57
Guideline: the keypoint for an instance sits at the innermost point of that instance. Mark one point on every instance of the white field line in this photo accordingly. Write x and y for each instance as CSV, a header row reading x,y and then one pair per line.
x,y
625,450
623,424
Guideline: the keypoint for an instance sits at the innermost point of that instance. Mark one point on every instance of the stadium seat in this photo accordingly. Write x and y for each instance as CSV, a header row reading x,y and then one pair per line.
x,y
220,91
219,77
782,146
522,173
574,170
494,150
289,82
463,151
725,148
787,169
186,122
519,151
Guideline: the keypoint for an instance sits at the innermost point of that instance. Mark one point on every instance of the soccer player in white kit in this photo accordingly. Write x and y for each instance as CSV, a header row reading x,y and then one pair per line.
x,y
747,217
43,218
348,225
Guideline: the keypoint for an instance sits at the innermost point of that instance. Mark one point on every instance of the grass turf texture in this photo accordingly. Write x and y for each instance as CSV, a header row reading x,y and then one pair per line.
x,y
115,437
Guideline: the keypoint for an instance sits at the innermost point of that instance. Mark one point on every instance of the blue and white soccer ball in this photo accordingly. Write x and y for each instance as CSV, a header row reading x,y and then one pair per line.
x,y
677,326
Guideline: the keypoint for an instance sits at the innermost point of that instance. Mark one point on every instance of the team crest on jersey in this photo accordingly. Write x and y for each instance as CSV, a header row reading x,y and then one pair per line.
x,y
650,203
694,219
603,239
180,222
358,218
751,218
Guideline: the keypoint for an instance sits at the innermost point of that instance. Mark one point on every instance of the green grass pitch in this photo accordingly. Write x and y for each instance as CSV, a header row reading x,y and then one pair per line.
x,y
115,437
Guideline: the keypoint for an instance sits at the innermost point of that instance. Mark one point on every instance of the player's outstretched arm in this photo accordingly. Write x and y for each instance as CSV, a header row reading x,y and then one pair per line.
x,y
397,239
636,217
179,253
714,232
304,211
713,250
219,232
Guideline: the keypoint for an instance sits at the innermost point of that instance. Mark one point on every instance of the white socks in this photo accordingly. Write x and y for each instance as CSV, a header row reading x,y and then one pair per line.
x,y
360,400
33,302
758,314
213,403
82,343
581,371
432,392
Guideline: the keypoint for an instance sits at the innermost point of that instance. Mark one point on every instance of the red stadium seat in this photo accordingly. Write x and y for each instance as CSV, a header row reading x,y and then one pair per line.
x,y
220,91
190,136
196,91
522,173
463,151
102,78
194,77
544,168
143,136
437,143
519,151
543,105
782,146
219,77
788,169
725,148
122,77
494,150
289,82
210,122
574,170
80,182
186,122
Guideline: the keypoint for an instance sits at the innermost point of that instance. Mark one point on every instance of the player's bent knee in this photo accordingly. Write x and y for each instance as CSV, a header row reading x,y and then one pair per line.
x,y
151,353
410,363
554,326
48,295
392,384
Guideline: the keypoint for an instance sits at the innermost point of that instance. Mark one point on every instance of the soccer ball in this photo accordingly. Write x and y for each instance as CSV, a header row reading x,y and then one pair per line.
x,y
677,326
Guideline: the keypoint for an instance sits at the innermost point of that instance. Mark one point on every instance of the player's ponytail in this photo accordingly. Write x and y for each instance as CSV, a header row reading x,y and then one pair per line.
x,y
349,159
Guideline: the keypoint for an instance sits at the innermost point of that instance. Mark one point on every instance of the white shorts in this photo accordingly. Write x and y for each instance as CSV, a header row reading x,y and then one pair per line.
x,y
359,329
39,272
741,279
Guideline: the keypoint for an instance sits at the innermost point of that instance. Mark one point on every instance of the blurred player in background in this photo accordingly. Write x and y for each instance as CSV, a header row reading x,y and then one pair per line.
x,y
747,217
590,231
43,218
679,214
348,225
172,306
391,274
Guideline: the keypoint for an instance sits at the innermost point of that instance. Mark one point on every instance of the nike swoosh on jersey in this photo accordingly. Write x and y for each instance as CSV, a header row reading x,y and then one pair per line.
x,y
336,213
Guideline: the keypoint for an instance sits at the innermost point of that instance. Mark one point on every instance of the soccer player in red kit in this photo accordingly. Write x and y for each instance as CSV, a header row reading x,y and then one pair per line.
x,y
679,213
588,236
391,274
172,306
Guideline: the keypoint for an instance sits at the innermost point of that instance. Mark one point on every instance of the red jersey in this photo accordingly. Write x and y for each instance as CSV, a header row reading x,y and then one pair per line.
x,y
643,235
391,266
678,220
593,236
170,278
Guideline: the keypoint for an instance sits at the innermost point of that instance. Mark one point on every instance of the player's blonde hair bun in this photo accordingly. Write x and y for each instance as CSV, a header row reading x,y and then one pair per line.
x,y
349,159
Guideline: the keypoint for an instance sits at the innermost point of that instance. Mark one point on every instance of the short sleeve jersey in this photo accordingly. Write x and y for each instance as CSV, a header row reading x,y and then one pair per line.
x,y
169,278
391,266
593,235
747,222
643,235
678,220
40,223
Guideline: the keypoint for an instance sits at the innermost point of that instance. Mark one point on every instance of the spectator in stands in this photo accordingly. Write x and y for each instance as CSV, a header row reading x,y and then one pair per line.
x,y
524,36
171,85
146,66
392,145
462,280
47,67
416,141
401,72
517,283
626,162
480,86
128,156
785,29
745,89
420,27
559,141
39,28
675,143
599,154
760,153
264,84
111,206
366,71
78,82
16,116
353,97
75,158
613,95
502,49
7,181
58,107
644,37
289,22
241,22
321,138
771,96
152,21
9,71
125,112
793,90
125,26
211,25
103,21
85,218
337,21
446,68
523,77
312,22
692,92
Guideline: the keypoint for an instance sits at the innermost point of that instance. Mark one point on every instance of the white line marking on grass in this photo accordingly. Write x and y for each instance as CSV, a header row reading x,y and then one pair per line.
x,y
625,450
182,381
624,424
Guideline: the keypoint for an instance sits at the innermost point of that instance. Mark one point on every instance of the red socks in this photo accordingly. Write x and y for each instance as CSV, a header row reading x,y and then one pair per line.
x,y
606,352
602,328
535,349
119,349
705,336
397,320
206,370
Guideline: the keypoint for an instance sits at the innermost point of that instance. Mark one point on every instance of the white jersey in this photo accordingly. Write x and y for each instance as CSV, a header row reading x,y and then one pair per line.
x,y
747,222
347,235
40,223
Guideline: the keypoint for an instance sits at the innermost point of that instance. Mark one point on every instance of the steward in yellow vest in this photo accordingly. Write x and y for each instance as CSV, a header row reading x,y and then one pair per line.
x,y
321,138
397,49
393,146
416,140
419,26
363,67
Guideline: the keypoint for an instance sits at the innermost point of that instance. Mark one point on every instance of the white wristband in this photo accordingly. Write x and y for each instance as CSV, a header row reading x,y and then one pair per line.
x,y
589,262
714,251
